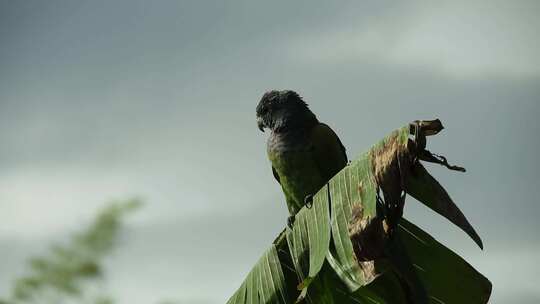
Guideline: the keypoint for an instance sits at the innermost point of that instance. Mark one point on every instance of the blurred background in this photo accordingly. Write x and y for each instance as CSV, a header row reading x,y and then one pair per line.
x,y
103,100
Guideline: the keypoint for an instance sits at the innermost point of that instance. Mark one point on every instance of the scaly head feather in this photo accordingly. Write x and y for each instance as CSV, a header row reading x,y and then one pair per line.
x,y
283,110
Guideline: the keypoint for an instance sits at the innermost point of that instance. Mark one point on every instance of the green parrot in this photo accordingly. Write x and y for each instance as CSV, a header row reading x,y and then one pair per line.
x,y
305,153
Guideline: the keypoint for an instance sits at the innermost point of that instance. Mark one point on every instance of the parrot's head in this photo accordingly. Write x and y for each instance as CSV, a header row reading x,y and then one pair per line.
x,y
283,110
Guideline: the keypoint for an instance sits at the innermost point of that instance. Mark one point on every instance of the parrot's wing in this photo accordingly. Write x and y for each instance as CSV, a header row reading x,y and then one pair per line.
x,y
329,152
276,175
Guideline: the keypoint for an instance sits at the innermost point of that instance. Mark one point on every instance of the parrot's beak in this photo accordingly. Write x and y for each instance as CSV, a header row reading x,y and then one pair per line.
x,y
260,124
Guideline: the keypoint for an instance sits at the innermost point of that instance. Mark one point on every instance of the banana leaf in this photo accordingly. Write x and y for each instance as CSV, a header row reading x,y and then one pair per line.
x,y
344,249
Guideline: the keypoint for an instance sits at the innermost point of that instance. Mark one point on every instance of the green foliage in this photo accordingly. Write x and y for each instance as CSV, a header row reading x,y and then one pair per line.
x,y
317,262
422,186
63,272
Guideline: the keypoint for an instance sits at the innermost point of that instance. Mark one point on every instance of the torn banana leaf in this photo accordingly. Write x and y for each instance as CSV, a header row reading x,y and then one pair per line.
x,y
265,283
338,251
447,277
309,239
423,187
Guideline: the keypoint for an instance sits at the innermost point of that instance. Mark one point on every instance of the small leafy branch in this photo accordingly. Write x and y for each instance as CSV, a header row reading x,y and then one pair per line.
x,y
67,270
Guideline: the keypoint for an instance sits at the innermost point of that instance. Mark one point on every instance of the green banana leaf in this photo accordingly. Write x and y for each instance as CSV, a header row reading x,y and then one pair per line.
x,y
317,262
425,188
265,283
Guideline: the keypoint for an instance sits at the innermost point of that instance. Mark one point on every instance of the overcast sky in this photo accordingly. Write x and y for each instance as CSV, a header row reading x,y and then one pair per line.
x,y
112,99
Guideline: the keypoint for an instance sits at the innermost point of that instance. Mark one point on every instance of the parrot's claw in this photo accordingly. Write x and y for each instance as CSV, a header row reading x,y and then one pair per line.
x,y
308,201
290,221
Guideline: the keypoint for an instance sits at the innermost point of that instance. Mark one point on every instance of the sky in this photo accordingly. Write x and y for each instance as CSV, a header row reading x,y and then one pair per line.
x,y
103,100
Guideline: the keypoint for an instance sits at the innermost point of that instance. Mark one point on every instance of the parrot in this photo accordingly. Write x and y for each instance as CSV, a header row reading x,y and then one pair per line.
x,y
304,152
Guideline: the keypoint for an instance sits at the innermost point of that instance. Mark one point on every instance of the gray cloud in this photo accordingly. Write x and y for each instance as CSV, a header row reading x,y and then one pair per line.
x,y
474,40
